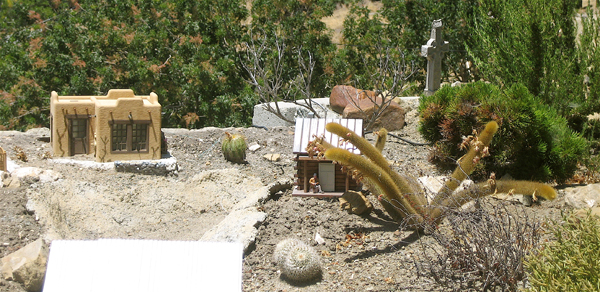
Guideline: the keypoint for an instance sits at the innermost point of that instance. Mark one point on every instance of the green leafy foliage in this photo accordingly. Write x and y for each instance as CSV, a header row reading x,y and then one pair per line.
x,y
570,261
530,42
409,26
177,49
533,143
298,24
405,26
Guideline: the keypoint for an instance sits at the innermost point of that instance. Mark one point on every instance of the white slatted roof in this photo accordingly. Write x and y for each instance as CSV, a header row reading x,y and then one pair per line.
x,y
143,266
307,128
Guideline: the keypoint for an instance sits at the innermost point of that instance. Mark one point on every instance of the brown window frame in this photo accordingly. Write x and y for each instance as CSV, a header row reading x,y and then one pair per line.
x,y
130,137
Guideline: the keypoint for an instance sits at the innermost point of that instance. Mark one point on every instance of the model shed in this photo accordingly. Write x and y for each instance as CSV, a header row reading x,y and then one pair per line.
x,y
333,181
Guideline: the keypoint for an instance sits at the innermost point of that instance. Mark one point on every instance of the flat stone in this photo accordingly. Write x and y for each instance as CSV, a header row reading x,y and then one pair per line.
x,y
272,157
239,226
254,147
163,166
27,265
253,199
291,111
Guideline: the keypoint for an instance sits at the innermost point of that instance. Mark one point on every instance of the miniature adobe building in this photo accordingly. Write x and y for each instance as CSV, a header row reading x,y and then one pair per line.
x,y
118,126
333,181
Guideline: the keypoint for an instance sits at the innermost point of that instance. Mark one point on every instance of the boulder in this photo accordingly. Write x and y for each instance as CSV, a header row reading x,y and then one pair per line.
x,y
581,197
391,119
342,95
27,265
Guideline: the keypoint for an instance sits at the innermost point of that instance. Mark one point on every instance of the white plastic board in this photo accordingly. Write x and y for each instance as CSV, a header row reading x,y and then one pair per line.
x,y
143,265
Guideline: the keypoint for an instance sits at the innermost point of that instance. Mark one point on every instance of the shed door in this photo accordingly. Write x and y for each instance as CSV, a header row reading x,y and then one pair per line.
x,y
79,136
327,176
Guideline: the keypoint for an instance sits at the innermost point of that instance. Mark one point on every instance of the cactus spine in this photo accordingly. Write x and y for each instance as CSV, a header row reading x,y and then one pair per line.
x,y
234,148
297,261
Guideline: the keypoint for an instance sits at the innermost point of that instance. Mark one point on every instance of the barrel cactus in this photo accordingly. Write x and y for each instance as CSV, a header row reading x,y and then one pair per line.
x,y
297,261
234,148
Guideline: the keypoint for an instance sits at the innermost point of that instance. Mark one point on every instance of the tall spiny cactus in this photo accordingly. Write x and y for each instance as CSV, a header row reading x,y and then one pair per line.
x,y
402,197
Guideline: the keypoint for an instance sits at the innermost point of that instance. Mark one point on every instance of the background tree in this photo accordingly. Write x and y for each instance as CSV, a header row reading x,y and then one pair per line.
x,y
177,49
532,42
298,24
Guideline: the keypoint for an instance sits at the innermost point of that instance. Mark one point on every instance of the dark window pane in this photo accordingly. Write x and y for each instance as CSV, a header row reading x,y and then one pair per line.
x,y
139,137
119,137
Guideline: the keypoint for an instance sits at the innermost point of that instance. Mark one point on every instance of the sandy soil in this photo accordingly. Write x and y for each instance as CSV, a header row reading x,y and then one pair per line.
x,y
367,253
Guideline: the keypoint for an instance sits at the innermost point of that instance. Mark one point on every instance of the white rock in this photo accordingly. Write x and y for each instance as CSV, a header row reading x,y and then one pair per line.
x,y
49,176
11,165
319,239
273,157
581,197
34,174
254,147
27,174
433,185
4,175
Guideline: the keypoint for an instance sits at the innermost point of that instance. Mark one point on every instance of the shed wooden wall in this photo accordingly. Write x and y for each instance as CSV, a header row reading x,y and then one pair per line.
x,y
312,166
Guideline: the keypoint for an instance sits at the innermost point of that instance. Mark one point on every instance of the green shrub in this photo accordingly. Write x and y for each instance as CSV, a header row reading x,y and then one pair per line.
x,y
570,262
530,42
534,141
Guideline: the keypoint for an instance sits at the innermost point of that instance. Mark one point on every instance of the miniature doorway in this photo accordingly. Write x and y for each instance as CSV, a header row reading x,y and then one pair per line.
x,y
327,177
79,136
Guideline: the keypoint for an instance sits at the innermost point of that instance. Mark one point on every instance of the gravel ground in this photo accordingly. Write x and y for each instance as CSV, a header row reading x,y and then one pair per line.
x,y
360,253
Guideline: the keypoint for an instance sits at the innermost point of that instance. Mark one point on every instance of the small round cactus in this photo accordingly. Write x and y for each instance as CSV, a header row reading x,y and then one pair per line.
x,y
297,261
234,148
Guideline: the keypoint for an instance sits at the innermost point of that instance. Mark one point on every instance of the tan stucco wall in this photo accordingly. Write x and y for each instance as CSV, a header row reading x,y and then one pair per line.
x,y
63,107
118,105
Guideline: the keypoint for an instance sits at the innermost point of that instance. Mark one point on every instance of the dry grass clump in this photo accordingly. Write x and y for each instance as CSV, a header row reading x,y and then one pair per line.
x,y
481,249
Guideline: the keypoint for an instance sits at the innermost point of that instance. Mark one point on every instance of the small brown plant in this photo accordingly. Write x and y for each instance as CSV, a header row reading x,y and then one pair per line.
x,y
46,155
20,153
